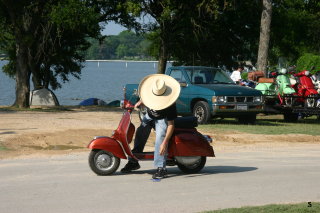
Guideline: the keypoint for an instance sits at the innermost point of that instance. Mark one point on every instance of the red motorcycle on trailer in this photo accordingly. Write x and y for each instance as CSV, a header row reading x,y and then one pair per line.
x,y
308,95
187,149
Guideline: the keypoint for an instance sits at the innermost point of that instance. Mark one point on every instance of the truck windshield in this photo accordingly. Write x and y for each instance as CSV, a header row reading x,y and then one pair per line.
x,y
208,76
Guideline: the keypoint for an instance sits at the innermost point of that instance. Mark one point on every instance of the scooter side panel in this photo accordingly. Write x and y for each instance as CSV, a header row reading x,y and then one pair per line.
x,y
121,131
108,144
288,90
190,143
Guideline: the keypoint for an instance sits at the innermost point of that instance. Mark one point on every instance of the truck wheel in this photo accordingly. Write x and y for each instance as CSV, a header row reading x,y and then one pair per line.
x,y
102,162
202,112
247,119
290,117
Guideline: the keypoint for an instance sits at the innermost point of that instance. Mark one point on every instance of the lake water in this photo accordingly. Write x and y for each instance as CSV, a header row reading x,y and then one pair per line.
x,y
103,80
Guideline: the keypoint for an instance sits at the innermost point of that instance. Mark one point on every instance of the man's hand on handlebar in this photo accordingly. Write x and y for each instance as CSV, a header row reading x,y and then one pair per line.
x,y
138,104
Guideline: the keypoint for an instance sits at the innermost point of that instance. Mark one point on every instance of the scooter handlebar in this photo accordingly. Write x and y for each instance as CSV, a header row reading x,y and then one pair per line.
x,y
128,105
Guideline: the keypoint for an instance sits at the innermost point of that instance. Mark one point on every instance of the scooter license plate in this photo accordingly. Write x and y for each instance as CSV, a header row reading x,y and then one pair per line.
x,y
242,107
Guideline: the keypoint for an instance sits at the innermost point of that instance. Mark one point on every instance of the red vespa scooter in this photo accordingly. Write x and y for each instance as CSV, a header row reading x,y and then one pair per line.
x,y
187,149
305,89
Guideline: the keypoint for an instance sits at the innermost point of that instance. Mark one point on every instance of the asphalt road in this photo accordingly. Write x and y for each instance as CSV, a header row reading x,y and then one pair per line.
x,y
232,179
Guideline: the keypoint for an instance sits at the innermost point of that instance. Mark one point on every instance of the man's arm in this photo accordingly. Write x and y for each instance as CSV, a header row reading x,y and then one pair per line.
x,y
164,145
138,104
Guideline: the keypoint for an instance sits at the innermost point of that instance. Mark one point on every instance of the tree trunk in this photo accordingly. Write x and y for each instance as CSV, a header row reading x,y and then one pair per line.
x,y
36,75
163,57
266,16
22,78
163,50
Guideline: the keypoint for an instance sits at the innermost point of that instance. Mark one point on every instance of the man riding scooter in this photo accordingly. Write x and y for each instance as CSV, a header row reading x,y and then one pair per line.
x,y
158,92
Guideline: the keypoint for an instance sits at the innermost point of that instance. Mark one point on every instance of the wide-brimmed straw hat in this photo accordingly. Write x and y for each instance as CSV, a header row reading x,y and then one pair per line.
x,y
158,91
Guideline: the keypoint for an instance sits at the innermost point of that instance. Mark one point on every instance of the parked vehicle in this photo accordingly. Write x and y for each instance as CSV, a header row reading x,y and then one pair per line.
x,y
207,93
291,95
188,149
307,94
278,88
316,81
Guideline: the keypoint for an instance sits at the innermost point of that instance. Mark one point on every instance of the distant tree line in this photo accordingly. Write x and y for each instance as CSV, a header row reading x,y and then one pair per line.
x,y
127,45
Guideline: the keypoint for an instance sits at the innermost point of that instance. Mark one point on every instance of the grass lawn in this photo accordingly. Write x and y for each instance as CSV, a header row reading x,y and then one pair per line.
x,y
271,124
307,207
3,148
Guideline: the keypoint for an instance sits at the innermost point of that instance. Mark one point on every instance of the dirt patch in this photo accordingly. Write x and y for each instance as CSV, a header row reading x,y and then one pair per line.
x,y
51,143
224,141
245,138
24,134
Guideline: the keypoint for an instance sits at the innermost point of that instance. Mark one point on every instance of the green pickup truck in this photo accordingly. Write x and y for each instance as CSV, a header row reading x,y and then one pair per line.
x,y
207,93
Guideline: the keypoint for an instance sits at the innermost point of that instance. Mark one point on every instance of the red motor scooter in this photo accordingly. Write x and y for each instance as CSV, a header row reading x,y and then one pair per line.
x,y
308,95
187,149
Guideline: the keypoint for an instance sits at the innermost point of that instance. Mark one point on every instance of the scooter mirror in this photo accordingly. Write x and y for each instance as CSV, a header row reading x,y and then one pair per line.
x,y
135,92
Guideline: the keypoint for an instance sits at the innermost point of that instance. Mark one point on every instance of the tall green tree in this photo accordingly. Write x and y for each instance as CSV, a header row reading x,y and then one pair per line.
x,y
217,32
295,29
47,38
175,23
214,32
164,14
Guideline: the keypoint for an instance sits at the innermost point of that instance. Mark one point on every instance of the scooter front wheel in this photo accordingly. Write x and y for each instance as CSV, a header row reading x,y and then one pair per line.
x,y
102,162
193,167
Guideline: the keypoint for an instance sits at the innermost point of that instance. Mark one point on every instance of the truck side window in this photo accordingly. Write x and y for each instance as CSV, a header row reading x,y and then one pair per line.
x,y
219,76
177,74
197,76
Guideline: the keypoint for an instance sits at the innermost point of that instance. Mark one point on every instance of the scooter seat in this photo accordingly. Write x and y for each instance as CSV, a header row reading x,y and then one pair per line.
x,y
186,122
266,80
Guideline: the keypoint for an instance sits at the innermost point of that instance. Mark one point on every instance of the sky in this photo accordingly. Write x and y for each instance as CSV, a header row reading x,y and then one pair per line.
x,y
113,29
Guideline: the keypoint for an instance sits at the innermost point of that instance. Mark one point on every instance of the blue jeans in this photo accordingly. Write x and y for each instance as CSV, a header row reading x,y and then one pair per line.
x,y
142,135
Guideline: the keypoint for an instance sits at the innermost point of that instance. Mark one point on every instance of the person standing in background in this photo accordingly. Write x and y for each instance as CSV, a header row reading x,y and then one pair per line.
x,y
236,75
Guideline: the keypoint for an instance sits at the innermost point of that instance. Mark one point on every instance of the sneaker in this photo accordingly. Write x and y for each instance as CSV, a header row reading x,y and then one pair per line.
x,y
130,166
160,173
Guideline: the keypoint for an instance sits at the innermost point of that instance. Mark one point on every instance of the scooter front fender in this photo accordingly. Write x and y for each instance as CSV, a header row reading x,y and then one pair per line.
x,y
108,144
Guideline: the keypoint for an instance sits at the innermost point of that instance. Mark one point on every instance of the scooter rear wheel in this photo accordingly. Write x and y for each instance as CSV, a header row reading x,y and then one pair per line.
x,y
102,162
193,168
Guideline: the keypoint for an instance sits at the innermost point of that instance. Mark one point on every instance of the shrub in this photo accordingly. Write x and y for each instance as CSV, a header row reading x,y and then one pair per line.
x,y
244,75
308,61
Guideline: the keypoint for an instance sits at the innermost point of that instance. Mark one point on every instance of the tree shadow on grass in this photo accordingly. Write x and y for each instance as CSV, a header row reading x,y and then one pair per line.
x,y
7,133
